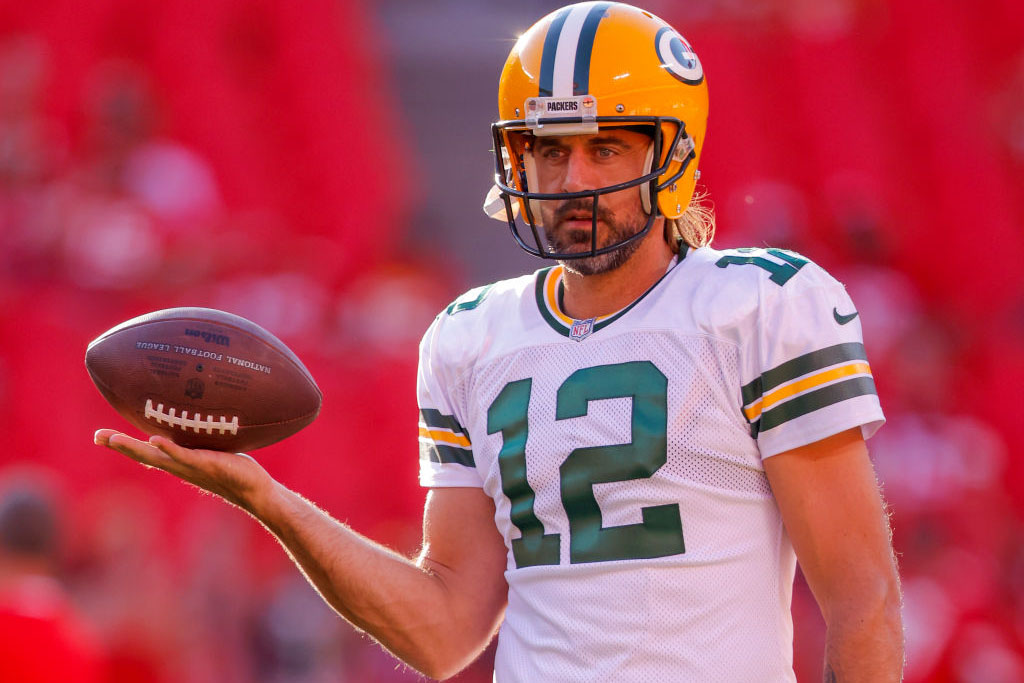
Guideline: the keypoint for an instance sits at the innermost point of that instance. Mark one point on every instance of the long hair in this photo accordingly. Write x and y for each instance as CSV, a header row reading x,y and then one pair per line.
x,y
696,227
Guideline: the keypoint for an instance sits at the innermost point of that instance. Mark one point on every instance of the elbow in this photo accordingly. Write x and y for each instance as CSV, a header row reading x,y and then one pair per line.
x,y
446,653
877,607
867,624
890,606
453,643
893,614
440,665
440,673
872,597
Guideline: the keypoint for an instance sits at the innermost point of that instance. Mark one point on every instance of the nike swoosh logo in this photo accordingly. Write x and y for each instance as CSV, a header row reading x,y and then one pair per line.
x,y
843,319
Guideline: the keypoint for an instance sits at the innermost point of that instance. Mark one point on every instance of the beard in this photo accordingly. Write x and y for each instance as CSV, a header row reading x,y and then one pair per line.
x,y
564,240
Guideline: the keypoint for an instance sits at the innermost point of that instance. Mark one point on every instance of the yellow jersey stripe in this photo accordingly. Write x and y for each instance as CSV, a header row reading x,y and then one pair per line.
x,y
550,287
445,437
554,276
754,410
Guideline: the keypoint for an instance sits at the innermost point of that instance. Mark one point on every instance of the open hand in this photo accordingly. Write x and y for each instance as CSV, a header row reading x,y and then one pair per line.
x,y
236,477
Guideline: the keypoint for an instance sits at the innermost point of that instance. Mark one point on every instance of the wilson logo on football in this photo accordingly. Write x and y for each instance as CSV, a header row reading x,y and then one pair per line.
x,y
197,423
210,337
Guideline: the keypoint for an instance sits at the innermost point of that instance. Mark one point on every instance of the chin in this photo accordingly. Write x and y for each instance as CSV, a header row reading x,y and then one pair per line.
x,y
597,265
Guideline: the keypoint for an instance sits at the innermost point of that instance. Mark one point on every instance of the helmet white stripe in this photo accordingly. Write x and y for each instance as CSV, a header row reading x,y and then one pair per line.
x,y
565,53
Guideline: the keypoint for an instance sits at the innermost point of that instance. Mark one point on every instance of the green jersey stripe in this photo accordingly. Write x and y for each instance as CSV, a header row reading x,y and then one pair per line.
x,y
815,400
801,365
555,324
442,453
435,419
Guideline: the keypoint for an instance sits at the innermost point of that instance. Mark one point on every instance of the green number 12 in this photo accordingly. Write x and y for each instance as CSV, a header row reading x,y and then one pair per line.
x,y
658,535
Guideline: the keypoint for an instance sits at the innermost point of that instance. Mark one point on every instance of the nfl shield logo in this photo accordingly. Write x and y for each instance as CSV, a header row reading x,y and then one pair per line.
x,y
195,388
581,329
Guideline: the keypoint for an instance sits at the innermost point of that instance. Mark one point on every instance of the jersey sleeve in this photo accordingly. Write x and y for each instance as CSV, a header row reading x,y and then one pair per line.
x,y
446,453
805,370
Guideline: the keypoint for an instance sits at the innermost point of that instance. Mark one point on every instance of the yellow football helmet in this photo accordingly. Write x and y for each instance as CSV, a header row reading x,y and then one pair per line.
x,y
592,65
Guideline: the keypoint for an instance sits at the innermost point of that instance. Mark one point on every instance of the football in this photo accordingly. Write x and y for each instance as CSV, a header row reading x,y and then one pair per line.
x,y
203,378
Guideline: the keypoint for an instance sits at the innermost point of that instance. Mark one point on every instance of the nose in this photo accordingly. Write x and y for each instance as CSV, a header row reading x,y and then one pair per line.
x,y
579,174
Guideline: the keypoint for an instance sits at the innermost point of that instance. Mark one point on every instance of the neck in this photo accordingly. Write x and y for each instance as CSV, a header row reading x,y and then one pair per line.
x,y
589,296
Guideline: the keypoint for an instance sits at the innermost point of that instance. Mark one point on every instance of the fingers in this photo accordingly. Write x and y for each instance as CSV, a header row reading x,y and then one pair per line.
x,y
171,449
102,436
198,458
161,452
140,451
234,477
158,447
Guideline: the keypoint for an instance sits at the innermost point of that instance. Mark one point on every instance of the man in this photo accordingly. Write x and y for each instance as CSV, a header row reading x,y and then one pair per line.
x,y
653,426
42,636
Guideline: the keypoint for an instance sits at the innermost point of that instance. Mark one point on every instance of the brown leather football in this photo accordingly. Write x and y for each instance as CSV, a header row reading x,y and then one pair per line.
x,y
204,378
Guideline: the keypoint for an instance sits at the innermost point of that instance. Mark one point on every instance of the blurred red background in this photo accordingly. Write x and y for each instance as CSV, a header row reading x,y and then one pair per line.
x,y
318,168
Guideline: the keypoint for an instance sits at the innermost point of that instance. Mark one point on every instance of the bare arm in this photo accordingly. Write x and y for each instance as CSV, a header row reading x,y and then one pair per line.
x,y
436,612
834,514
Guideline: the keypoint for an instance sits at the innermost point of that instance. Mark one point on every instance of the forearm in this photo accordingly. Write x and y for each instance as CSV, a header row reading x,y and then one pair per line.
x,y
436,614
833,511
865,642
403,605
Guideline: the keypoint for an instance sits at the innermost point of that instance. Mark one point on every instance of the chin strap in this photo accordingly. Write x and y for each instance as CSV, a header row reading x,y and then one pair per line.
x,y
494,203
530,166
495,207
645,194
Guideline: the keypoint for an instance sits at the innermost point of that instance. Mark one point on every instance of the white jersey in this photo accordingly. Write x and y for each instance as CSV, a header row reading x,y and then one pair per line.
x,y
624,455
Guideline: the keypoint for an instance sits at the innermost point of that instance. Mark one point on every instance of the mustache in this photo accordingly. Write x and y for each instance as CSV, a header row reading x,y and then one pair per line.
x,y
581,205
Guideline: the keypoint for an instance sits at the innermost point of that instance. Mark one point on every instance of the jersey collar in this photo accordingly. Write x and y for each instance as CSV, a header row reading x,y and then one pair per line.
x,y
550,293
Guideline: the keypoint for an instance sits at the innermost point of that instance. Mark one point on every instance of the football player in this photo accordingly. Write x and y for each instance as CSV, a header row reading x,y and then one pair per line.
x,y
629,450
